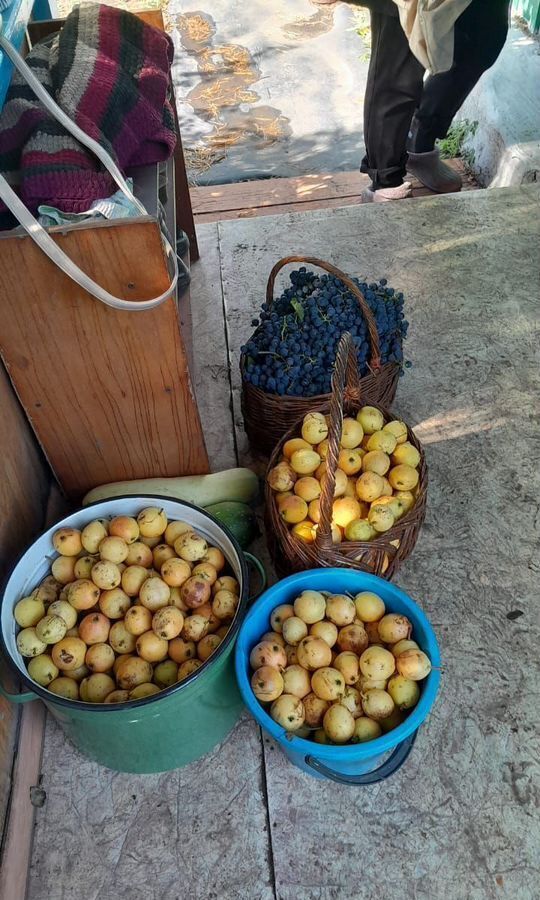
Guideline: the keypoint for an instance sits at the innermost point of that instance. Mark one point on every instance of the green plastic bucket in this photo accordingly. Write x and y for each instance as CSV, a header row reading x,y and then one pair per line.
x,y
160,732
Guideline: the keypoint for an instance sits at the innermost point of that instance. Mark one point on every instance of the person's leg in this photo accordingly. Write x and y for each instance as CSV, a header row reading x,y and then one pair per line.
x,y
394,87
479,36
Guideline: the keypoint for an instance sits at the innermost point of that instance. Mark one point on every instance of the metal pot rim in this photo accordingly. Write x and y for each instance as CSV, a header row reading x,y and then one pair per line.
x,y
104,708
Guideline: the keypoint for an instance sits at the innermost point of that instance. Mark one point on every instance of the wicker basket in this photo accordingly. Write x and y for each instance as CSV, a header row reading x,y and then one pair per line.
x,y
378,556
268,416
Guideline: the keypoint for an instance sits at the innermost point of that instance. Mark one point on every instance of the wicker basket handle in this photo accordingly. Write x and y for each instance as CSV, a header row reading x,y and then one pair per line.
x,y
375,362
345,369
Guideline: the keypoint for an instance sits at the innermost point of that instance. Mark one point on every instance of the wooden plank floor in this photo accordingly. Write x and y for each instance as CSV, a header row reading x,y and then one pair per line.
x,y
273,196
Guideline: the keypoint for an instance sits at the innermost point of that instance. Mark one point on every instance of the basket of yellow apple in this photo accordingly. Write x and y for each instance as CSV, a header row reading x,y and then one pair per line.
x,y
347,485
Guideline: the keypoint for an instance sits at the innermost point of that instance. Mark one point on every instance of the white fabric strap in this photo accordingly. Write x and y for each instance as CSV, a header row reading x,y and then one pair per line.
x,y
41,236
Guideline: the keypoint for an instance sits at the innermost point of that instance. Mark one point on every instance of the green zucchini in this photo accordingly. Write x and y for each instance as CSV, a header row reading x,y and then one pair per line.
x,y
238,518
240,485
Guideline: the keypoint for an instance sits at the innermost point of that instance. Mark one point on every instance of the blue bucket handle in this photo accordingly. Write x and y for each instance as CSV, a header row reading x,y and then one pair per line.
x,y
257,564
388,767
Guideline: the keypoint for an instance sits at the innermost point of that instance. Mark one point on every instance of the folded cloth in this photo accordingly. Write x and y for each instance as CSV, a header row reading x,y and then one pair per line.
x,y
110,72
429,26
116,207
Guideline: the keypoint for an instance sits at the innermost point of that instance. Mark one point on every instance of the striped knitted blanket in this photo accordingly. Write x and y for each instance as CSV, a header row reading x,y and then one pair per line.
x,y
110,72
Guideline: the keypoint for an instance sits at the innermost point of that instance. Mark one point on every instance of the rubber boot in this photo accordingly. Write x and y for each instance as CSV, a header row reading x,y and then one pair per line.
x,y
433,172
383,195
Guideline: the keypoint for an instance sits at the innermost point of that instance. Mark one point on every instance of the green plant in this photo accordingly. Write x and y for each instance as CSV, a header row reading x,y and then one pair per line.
x,y
452,145
363,30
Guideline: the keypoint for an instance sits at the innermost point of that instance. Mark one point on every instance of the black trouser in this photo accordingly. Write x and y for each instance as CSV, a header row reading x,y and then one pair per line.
x,y
396,89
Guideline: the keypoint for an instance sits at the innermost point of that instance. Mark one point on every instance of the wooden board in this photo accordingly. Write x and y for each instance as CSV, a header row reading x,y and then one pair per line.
x,y
274,196
17,848
24,484
470,271
23,494
211,376
24,762
107,392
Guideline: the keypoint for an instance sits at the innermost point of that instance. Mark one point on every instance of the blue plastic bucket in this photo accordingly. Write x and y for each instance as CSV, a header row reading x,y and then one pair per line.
x,y
355,764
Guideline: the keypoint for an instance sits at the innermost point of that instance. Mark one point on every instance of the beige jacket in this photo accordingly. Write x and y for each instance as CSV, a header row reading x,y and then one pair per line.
x,y
429,26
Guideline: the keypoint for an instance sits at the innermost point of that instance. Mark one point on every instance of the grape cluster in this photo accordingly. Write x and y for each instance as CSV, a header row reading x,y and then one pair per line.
x,y
293,348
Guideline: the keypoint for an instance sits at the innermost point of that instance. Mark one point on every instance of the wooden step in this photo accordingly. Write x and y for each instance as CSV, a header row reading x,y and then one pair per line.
x,y
272,196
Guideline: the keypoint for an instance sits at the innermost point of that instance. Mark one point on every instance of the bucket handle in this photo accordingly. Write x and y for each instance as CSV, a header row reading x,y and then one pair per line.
x,y
257,564
389,767
24,697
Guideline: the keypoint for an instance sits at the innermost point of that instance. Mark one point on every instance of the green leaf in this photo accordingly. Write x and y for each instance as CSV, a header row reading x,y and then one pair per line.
x,y
298,310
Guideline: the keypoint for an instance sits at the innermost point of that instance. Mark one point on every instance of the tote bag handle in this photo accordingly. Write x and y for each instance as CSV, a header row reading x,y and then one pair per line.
x,y
41,236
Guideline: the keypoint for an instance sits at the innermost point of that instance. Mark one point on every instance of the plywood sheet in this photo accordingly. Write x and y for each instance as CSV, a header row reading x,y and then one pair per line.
x,y
23,493
274,196
211,375
457,821
108,392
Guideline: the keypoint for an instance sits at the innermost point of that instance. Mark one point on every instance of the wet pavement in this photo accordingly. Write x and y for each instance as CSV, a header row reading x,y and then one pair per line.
x,y
268,91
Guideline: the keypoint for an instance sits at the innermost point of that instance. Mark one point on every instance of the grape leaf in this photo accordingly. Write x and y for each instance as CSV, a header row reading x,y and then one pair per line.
x,y
298,309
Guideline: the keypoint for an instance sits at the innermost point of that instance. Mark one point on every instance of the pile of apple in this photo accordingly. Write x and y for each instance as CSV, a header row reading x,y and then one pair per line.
x,y
131,606
376,480
338,669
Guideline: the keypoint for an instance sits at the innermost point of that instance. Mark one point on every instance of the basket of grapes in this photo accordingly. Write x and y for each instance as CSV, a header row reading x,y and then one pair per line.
x,y
346,485
286,365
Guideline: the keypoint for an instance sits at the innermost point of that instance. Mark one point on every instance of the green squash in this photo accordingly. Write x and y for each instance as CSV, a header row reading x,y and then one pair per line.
x,y
238,518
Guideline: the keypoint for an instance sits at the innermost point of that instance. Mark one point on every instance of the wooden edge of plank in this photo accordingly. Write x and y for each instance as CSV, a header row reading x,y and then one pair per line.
x,y
20,823
252,212
296,208
273,196
276,191
19,826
